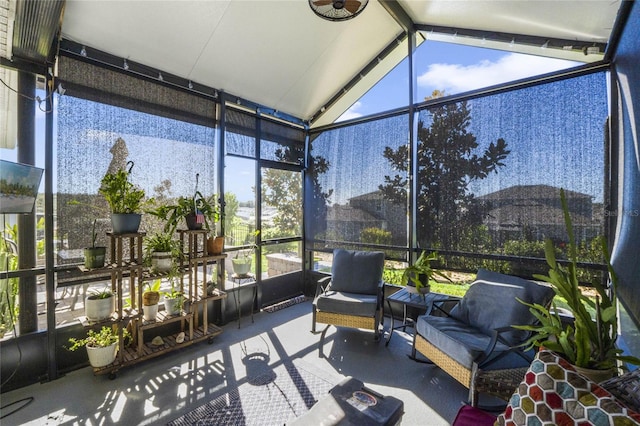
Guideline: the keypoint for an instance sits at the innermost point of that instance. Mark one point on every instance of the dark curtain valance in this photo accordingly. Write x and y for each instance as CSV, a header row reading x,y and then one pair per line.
x,y
279,141
99,84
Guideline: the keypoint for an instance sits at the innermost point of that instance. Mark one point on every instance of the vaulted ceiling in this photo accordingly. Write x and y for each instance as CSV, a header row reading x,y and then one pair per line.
x,y
278,53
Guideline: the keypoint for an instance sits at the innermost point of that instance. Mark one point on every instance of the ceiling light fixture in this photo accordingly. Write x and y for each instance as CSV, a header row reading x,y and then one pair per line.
x,y
83,51
125,65
338,10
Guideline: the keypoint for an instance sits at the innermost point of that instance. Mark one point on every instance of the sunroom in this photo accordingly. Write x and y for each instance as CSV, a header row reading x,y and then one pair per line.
x,y
379,125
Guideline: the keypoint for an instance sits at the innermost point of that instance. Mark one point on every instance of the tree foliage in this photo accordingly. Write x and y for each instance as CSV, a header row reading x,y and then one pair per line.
x,y
448,162
282,189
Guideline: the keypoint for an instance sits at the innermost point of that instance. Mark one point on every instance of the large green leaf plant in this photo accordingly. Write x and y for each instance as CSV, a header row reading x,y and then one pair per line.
x,y
589,342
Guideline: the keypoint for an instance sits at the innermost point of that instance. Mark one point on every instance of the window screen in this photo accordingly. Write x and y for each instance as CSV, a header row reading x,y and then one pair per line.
x,y
346,189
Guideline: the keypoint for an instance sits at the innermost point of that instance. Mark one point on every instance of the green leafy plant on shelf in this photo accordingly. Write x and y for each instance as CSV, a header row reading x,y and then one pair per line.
x,y
104,293
174,213
106,336
122,195
590,342
161,242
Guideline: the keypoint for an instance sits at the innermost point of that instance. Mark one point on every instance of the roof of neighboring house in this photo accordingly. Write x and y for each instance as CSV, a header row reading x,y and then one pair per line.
x,y
532,212
375,195
339,212
531,192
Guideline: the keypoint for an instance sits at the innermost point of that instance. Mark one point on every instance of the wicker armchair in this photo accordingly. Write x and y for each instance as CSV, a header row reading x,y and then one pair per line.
x,y
352,296
474,342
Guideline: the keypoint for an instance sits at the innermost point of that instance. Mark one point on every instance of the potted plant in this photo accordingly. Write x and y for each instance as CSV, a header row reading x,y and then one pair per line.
x,y
589,343
242,260
94,255
150,300
173,299
102,346
125,200
188,209
161,250
416,276
99,304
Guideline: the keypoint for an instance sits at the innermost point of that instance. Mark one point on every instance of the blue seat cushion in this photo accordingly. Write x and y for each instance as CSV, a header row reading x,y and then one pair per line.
x,y
490,303
464,343
357,272
361,305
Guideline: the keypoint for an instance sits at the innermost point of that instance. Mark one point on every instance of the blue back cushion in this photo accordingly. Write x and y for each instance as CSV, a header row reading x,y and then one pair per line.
x,y
491,303
356,271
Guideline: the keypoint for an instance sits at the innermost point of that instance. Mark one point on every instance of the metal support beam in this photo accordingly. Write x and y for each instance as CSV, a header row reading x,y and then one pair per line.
x,y
396,11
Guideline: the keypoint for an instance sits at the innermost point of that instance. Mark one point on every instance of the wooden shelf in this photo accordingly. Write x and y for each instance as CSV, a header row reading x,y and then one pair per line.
x,y
162,319
130,355
126,256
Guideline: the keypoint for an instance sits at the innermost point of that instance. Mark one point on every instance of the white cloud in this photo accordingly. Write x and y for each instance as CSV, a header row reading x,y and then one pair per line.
x,y
455,78
351,112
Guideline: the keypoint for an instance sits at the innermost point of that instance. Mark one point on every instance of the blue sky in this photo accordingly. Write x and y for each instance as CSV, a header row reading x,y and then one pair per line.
x,y
454,68
443,66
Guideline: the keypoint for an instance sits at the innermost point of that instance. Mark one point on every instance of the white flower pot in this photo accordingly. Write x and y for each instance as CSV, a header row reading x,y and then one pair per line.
x,y
173,306
149,312
102,356
241,266
99,309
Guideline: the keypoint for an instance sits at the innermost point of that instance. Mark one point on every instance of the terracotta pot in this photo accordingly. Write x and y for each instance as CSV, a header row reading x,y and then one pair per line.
x,y
215,245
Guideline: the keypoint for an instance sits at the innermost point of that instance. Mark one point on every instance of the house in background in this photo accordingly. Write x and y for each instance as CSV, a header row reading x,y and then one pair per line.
x,y
534,212
372,210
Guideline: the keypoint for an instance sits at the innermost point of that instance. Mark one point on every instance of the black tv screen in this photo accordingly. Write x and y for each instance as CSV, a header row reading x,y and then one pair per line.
x,y
19,185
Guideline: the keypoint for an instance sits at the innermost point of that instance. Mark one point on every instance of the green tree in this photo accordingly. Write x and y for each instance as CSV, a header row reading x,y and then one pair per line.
x,y
231,206
282,189
447,165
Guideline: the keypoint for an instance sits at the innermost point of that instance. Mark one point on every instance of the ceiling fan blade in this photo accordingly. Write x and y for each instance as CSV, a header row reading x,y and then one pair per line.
x,y
352,5
322,2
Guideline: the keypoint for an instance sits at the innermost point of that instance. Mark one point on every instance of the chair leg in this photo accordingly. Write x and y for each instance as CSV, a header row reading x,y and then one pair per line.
x,y
313,321
321,344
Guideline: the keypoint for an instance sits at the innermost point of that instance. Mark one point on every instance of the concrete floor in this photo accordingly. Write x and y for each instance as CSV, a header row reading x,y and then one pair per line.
x,y
159,390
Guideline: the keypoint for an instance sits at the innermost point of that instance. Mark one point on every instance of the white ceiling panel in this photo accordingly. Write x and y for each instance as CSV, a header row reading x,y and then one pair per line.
x,y
278,53
590,20
275,53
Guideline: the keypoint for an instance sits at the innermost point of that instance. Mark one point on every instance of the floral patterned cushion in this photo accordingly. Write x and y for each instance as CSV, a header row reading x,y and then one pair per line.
x,y
553,393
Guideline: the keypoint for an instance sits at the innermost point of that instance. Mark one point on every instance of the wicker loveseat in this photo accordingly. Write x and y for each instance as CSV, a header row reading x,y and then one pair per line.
x,y
474,342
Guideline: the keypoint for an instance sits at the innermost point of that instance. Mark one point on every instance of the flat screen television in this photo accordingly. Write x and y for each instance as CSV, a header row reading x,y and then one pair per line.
x,y
19,185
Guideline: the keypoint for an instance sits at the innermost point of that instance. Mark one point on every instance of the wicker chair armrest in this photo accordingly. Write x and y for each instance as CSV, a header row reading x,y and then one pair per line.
x,y
496,336
625,388
323,285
